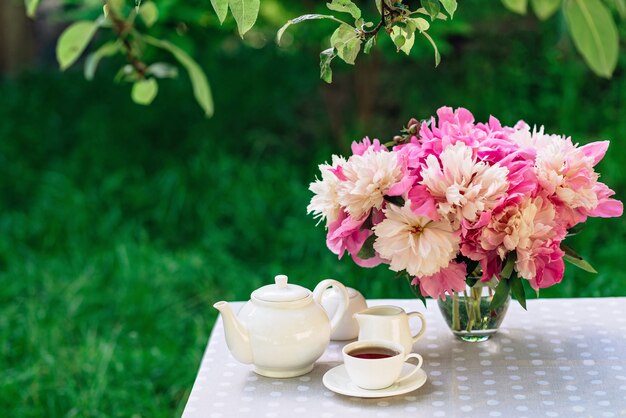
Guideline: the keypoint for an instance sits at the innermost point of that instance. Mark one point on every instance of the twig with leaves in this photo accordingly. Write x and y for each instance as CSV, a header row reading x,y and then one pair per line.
x,y
399,21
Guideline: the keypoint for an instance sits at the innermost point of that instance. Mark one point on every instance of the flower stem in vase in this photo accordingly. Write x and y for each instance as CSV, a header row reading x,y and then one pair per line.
x,y
456,318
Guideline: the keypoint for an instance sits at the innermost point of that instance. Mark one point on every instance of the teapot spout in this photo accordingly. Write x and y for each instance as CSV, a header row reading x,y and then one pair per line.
x,y
237,337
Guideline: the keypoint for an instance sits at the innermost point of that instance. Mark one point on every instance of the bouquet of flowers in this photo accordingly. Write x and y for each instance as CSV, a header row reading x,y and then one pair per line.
x,y
452,199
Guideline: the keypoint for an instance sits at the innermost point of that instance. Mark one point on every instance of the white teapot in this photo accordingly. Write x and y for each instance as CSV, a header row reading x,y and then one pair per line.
x,y
283,329
348,327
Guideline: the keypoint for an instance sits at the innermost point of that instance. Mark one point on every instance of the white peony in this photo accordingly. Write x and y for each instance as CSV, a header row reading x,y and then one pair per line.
x,y
463,186
325,203
415,243
368,178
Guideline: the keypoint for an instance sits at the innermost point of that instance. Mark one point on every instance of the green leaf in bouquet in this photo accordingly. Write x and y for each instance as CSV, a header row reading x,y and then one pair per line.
x,y
517,289
575,230
471,281
345,6
367,250
572,256
502,293
396,200
415,288
508,266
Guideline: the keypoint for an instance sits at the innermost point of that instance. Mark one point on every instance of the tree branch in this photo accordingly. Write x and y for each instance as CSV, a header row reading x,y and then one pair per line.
x,y
376,29
121,30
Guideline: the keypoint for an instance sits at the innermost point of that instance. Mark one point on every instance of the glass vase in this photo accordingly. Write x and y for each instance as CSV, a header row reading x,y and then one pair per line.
x,y
468,315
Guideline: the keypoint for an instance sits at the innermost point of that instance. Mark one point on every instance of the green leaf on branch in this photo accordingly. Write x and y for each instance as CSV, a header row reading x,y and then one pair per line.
x,y
93,59
162,70
326,56
501,295
517,6
31,7
421,24
149,13
346,6
281,31
594,33
245,13
199,82
404,37
346,42
620,5
432,7
221,9
144,91
517,289
545,8
369,44
437,55
572,257
73,42
450,6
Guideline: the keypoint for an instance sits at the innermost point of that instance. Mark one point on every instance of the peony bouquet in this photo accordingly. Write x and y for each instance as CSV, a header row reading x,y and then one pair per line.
x,y
452,201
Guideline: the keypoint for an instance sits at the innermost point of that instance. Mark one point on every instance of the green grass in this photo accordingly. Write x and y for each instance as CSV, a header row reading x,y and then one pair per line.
x,y
121,225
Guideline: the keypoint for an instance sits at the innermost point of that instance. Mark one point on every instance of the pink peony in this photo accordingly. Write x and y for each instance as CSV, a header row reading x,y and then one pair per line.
x,y
447,280
345,234
359,148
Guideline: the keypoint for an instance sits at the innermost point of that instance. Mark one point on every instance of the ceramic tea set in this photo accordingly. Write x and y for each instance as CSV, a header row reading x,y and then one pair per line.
x,y
284,328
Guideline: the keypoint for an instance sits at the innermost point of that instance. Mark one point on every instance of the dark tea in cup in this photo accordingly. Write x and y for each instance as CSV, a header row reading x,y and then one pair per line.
x,y
377,364
373,353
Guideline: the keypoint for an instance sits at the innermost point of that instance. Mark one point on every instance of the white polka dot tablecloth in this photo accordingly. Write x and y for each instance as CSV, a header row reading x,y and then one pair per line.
x,y
561,358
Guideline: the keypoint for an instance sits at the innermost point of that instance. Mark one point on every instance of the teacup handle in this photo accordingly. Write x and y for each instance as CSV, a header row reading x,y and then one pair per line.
x,y
420,360
318,292
423,327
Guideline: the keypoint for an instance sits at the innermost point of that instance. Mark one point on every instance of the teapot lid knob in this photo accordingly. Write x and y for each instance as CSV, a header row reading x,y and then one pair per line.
x,y
281,291
281,281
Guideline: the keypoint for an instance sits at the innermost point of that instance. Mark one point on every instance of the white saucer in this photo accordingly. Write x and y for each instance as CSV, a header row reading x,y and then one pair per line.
x,y
337,380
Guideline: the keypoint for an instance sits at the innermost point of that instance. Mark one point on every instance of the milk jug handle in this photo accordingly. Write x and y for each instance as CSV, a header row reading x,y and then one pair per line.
x,y
344,300
422,328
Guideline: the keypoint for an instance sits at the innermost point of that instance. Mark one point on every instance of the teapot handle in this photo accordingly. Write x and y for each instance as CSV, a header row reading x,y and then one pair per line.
x,y
318,292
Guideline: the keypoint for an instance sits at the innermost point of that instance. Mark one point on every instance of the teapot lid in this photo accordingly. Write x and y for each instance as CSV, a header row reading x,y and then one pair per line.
x,y
281,291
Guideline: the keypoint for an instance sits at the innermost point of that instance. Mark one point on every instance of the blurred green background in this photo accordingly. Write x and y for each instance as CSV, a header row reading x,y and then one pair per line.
x,y
121,224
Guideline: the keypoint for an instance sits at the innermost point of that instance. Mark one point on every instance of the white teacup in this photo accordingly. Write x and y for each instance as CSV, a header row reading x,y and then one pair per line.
x,y
377,364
